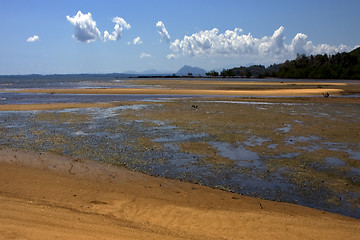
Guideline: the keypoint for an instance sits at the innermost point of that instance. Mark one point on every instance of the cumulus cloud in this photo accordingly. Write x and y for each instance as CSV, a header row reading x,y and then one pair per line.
x,y
137,41
85,29
145,55
162,31
171,56
33,38
120,25
235,43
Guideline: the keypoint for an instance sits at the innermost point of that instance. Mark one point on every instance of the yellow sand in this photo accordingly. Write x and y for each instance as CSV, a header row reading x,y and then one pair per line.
x,y
45,196
262,92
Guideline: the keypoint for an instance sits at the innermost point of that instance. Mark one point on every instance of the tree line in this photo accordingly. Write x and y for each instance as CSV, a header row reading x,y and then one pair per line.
x,y
344,65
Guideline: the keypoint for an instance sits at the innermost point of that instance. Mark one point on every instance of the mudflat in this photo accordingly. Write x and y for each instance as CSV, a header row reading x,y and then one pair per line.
x,y
49,196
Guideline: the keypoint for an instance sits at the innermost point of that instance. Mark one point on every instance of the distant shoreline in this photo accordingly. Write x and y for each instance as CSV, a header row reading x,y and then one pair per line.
x,y
165,76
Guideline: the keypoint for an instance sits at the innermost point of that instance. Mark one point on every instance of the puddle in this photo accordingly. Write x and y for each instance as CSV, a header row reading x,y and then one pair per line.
x,y
310,148
293,140
334,161
343,147
255,103
353,154
355,171
178,136
287,155
273,146
255,141
160,125
102,113
286,128
332,146
355,175
242,156
80,133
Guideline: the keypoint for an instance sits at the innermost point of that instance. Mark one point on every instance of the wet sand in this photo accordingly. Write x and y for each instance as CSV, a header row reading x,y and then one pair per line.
x,y
51,106
48,196
59,106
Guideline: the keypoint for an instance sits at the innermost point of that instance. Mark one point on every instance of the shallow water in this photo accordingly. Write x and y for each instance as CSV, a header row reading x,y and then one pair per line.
x,y
42,98
241,156
353,154
334,161
286,128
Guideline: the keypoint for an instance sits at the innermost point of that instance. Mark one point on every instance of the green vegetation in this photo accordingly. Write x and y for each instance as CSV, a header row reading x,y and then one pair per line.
x,y
255,70
227,73
212,73
339,66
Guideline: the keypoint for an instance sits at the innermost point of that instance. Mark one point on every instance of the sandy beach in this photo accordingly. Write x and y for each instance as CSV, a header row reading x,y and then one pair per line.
x,y
46,195
51,196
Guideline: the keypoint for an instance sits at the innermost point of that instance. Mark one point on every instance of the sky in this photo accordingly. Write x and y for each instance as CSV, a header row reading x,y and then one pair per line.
x,y
65,37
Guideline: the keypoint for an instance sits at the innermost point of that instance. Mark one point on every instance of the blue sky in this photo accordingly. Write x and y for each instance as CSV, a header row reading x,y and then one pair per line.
x,y
46,37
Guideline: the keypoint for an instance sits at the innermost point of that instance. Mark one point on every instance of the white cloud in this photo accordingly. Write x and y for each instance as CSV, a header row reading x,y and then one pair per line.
x,y
120,25
171,56
273,45
33,38
85,29
137,41
145,55
162,31
234,44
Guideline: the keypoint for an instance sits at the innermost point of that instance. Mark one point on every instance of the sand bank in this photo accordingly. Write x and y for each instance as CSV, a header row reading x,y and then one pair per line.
x,y
59,106
182,82
47,196
197,92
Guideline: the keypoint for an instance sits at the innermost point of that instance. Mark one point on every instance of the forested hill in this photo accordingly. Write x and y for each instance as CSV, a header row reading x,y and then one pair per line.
x,y
339,66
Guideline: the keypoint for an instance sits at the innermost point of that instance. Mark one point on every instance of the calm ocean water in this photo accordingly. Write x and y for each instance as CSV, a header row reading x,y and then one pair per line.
x,y
68,81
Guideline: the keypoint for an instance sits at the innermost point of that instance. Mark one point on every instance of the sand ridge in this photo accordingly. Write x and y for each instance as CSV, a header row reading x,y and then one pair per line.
x,y
53,196
197,92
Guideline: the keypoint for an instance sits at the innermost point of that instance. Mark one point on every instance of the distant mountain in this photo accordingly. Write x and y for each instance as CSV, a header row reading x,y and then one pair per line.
x,y
195,71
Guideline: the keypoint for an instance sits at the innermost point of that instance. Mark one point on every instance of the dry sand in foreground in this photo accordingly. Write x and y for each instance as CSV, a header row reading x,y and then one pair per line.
x,y
45,196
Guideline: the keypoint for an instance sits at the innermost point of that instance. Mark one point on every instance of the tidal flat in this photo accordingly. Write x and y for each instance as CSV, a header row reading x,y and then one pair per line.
x,y
298,150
